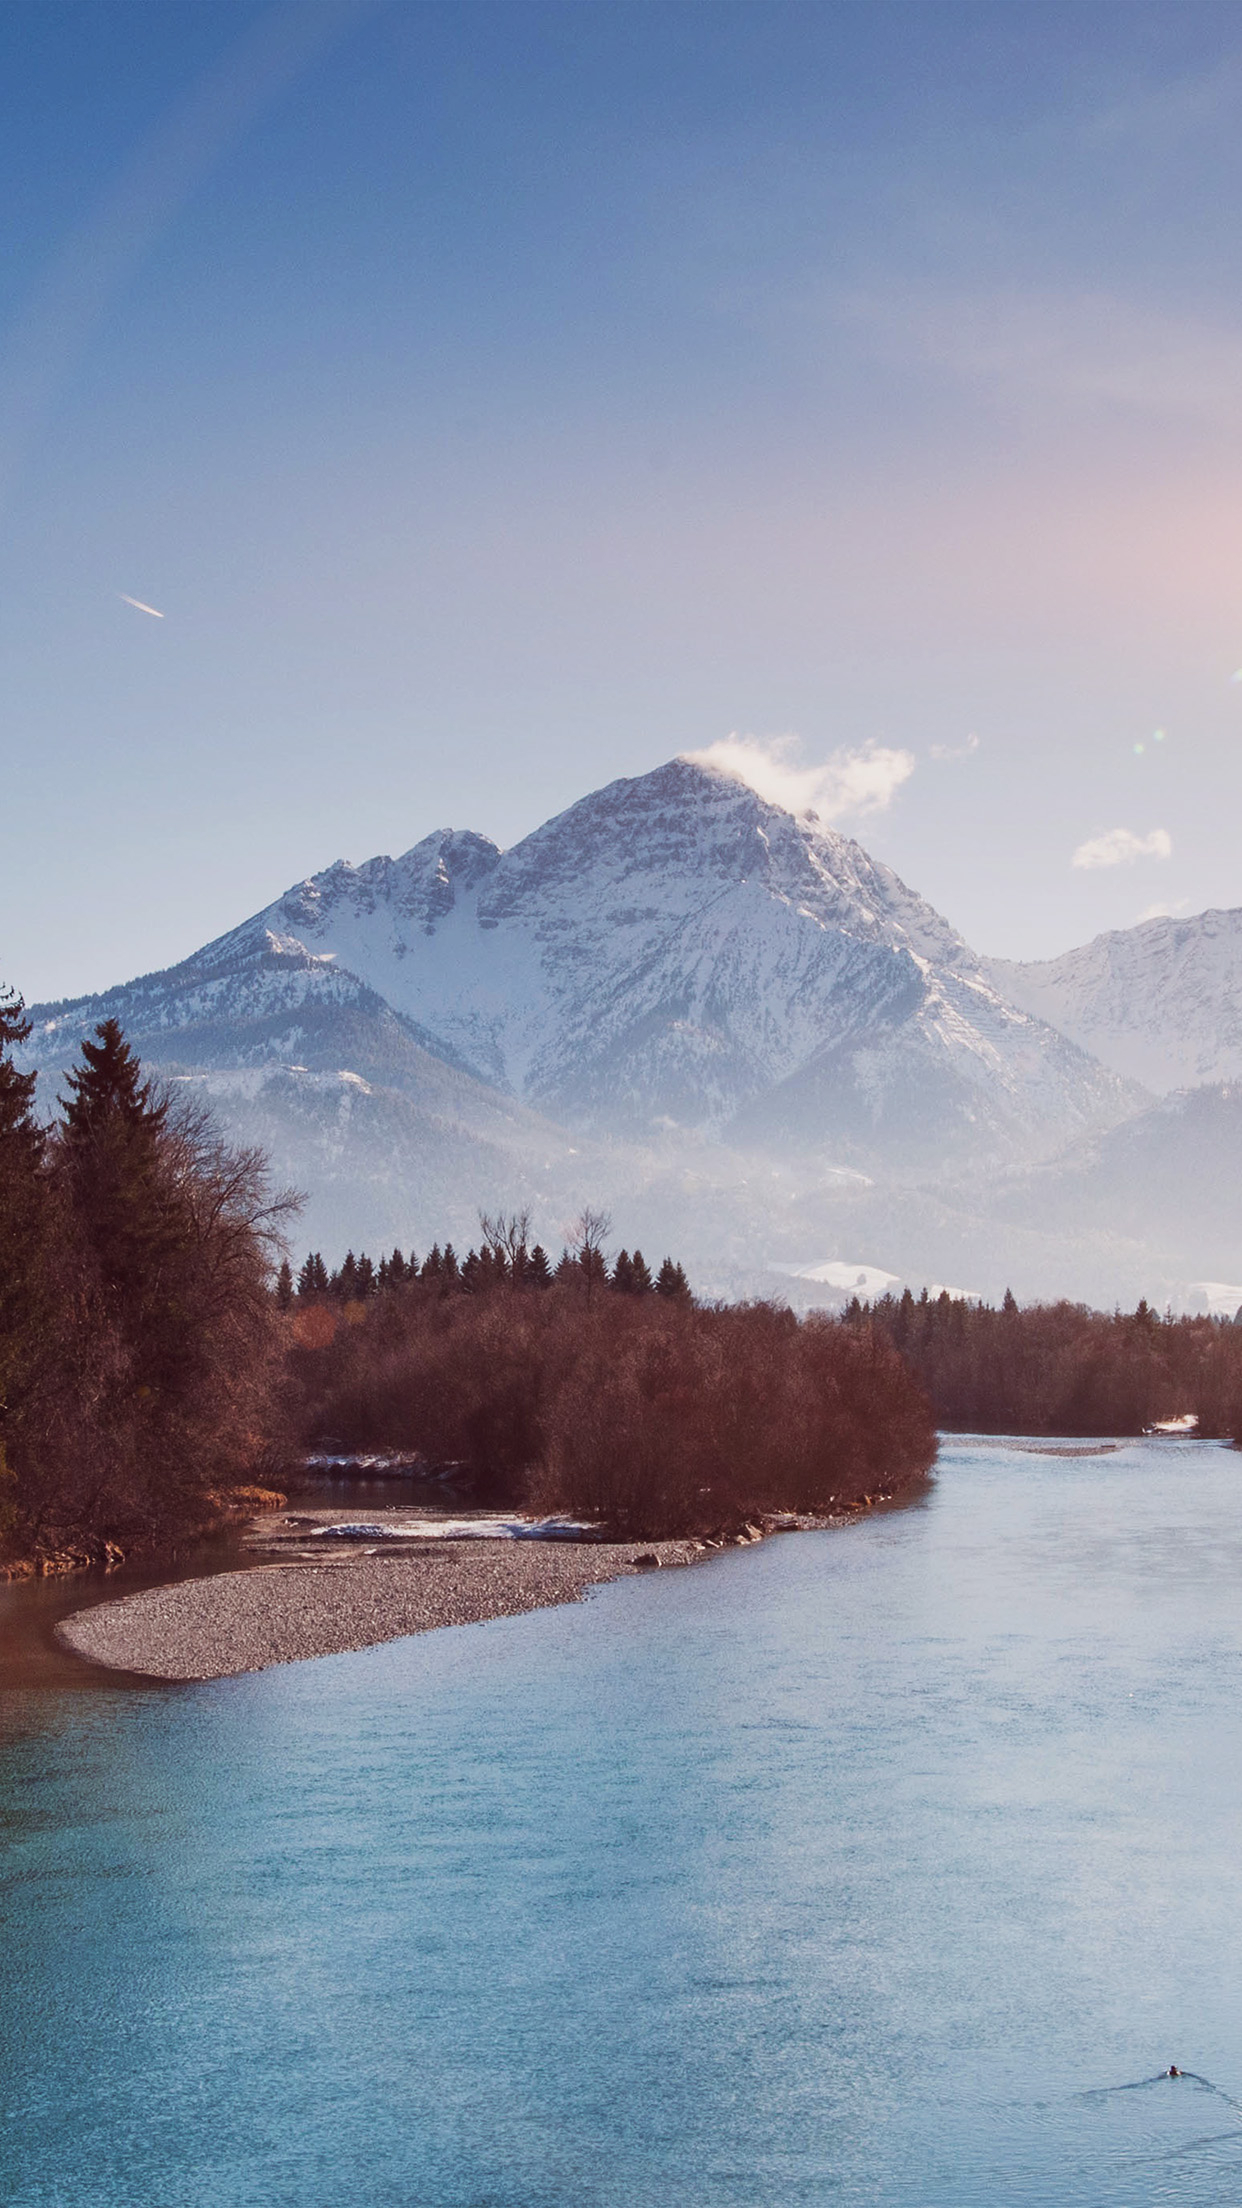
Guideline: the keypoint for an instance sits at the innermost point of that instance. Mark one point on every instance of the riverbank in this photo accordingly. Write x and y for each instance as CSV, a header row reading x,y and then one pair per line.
x,y
240,1621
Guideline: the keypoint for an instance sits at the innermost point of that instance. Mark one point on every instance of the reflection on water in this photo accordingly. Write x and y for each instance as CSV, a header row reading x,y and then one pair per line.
x,y
887,1867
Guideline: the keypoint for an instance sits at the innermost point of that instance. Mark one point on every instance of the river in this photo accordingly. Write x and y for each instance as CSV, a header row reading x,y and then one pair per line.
x,y
884,1867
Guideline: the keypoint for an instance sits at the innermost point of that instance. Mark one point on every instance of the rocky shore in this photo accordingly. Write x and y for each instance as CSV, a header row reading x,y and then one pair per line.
x,y
281,1613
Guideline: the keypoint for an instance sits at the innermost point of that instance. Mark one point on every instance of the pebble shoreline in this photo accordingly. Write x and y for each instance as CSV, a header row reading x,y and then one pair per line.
x,y
242,1621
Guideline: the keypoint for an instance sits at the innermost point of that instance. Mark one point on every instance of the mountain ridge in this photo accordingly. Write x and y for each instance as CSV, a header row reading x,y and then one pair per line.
x,y
671,952
1161,1002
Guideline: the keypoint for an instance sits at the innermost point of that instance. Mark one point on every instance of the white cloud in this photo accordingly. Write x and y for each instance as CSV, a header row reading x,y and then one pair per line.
x,y
943,753
1120,847
1163,912
862,781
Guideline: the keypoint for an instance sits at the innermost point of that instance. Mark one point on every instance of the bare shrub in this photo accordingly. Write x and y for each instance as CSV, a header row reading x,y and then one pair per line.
x,y
644,1414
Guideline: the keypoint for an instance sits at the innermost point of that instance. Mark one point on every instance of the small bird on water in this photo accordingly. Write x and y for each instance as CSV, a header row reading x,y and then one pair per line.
x,y
1172,2071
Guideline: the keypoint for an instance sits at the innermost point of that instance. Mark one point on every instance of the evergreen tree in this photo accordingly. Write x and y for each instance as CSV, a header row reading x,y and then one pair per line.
x,y
345,1283
125,1206
623,1274
24,1226
284,1285
642,1274
450,1272
538,1271
433,1264
671,1280
364,1277
164,1288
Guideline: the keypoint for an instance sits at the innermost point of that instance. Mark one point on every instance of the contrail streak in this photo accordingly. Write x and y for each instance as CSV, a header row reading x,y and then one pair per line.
x,y
138,606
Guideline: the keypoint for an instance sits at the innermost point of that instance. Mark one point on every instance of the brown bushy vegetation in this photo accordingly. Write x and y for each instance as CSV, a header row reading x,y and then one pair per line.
x,y
1059,1368
636,1410
139,1343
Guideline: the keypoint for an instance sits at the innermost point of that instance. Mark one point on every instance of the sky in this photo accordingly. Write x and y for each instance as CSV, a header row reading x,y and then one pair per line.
x,y
488,401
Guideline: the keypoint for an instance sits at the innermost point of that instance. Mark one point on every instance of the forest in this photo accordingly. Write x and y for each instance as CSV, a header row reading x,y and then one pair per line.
x,y
598,1392
159,1357
1059,1368
141,1352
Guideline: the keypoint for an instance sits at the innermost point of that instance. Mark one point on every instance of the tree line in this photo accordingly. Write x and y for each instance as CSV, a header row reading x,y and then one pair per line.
x,y
504,1259
650,1415
140,1354
1060,1368
157,1351
592,1390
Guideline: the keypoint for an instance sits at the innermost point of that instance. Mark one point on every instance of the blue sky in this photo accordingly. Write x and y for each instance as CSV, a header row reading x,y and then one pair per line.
x,y
498,399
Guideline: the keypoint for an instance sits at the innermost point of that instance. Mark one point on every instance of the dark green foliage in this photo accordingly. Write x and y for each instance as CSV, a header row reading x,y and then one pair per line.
x,y
148,1380
125,1207
284,1285
640,1412
503,1260
393,1272
1059,1368
24,1226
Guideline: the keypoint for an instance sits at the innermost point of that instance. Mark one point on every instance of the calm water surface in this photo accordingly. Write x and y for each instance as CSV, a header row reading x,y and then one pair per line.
x,y
855,1869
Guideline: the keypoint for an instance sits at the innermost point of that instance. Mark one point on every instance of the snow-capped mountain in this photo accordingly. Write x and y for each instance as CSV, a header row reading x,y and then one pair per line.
x,y
1160,1003
725,1022
673,951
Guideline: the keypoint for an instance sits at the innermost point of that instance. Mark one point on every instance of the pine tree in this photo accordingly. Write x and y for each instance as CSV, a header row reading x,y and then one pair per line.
x,y
364,1277
671,1280
642,1274
164,1284
110,1147
538,1271
23,1236
284,1285
623,1274
450,1272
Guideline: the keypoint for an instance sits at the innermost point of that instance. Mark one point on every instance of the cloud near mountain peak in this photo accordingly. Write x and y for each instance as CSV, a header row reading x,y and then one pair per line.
x,y
1120,847
861,781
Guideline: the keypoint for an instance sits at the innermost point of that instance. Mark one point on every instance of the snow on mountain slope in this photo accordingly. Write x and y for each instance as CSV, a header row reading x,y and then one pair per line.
x,y
271,1008
675,949
1160,1003
675,999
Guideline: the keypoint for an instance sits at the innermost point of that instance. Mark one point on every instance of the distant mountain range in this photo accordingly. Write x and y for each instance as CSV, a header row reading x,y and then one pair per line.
x,y
1161,1003
725,1021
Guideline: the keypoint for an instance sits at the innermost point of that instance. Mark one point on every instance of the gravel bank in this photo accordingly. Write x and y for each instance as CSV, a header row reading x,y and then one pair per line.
x,y
243,1621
